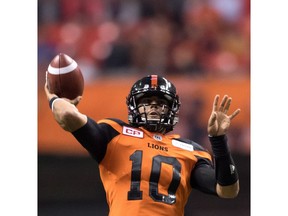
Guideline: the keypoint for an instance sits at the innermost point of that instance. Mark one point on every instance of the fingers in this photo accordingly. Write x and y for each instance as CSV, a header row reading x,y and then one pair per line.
x,y
235,113
76,101
215,103
48,93
46,87
212,119
224,106
227,105
223,102
47,90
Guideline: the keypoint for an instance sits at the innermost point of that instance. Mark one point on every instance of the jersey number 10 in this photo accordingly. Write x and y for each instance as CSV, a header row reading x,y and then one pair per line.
x,y
136,194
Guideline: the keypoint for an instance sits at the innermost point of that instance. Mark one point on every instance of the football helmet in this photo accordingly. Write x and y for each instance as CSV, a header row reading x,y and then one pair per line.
x,y
153,85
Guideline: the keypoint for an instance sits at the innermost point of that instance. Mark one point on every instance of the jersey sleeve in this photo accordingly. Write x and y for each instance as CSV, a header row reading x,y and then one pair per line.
x,y
203,174
203,177
94,137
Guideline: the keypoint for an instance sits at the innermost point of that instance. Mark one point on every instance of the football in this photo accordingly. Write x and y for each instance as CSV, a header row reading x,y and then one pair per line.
x,y
64,77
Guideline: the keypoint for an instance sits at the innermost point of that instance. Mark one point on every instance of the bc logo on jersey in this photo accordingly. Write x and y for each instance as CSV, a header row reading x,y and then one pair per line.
x,y
132,132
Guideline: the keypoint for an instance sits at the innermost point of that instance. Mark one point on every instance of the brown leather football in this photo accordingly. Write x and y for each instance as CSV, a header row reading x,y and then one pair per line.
x,y
64,77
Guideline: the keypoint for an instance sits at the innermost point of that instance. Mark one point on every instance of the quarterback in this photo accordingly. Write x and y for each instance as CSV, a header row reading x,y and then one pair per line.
x,y
146,170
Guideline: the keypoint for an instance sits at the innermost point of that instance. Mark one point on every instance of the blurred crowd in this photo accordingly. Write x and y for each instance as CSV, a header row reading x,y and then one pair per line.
x,y
186,37
197,38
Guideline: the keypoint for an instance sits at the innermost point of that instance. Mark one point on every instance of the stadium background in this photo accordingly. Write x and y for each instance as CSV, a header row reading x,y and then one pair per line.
x,y
202,46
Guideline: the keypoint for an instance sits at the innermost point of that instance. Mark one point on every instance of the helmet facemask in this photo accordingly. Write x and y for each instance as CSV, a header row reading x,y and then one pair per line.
x,y
154,124
169,113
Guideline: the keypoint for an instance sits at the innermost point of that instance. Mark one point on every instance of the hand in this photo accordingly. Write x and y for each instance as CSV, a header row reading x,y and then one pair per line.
x,y
219,121
51,95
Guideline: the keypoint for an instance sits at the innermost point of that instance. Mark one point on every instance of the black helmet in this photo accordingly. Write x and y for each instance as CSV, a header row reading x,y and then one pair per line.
x,y
153,85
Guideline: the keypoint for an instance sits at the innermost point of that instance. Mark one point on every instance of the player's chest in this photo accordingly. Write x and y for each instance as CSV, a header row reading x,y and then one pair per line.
x,y
150,165
151,155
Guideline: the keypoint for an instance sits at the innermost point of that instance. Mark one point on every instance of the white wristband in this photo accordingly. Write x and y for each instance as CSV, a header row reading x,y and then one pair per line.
x,y
54,102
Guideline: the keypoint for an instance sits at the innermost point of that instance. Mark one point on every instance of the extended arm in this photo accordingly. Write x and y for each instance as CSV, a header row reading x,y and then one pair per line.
x,y
65,111
225,170
226,173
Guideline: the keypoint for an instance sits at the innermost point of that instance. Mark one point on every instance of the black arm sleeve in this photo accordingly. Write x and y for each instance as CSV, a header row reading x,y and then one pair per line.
x,y
226,171
203,177
95,138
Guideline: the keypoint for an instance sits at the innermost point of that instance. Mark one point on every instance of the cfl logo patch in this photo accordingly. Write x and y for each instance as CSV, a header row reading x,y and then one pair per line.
x,y
157,137
132,132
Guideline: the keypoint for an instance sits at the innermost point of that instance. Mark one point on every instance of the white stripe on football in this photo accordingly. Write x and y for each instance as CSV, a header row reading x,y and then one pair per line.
x,y
62,70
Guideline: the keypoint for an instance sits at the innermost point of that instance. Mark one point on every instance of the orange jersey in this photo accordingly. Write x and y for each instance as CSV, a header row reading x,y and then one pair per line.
x,y
143,173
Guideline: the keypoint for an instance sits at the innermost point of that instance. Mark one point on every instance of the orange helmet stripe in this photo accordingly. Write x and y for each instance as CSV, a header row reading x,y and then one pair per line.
x,y
154,80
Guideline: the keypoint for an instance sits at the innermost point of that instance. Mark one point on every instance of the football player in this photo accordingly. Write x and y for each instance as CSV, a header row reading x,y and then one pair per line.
x,y
144,169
